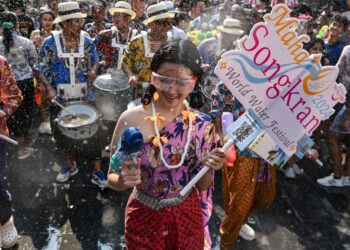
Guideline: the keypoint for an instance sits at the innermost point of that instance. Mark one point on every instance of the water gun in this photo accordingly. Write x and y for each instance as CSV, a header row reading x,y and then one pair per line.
x,y
129,148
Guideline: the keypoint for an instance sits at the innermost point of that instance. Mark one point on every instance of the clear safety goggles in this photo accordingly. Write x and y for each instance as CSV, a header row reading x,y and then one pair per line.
x,y
182,86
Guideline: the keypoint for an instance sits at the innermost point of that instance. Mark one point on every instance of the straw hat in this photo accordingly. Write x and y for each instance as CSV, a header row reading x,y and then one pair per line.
x,y
231,26
122,7
156,12
67,11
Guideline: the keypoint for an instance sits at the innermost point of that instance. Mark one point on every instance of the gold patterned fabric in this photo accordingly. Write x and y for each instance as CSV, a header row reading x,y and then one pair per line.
x,y
138,63
243,194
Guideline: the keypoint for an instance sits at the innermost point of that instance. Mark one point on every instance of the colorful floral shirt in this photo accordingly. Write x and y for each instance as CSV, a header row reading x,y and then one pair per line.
x,y
57,70
10,94
92,29
22,56
106,52
158,181
223,100
136,60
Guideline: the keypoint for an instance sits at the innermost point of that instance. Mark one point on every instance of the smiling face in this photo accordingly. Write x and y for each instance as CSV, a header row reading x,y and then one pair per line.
x,y
172,97
47,22
336,28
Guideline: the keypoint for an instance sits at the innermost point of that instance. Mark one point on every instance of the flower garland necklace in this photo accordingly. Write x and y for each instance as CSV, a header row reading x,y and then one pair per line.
x,y
156,129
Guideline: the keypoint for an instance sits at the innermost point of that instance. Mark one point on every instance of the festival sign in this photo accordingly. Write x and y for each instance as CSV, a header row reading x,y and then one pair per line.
x,y
289,90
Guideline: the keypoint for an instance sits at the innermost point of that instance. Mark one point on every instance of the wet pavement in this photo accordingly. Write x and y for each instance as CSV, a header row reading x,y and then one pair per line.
x,y
79,215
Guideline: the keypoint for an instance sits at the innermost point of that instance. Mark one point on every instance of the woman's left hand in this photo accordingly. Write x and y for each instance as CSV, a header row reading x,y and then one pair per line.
x,y
216,159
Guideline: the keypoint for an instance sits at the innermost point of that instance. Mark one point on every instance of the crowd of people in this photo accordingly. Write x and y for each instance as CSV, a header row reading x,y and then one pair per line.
x,y
167,51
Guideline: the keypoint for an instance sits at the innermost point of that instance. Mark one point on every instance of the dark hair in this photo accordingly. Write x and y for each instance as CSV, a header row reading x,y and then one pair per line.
x,y
312,43
193,3
175,51
2,7
340,19
8,17
304,9
265,1
42,13
102,2
178,51
181,16
13,5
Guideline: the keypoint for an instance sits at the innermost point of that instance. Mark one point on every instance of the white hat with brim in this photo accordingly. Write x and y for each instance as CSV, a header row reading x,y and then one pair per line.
x,y
231,26
67,11
157,12
122,7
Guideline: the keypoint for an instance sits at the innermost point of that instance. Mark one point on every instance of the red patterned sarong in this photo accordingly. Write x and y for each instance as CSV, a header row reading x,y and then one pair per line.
x,y
177,227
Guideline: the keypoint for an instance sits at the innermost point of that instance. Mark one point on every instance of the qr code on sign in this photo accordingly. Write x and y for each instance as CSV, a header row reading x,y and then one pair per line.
x,y
243,132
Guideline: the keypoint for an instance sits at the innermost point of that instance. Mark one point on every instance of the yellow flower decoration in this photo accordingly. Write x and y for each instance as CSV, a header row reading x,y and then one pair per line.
x,y
155,140
157,118
155,96
188,114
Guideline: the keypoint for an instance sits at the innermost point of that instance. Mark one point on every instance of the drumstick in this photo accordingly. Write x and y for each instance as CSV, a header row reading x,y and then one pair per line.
x,y
62,107
8,139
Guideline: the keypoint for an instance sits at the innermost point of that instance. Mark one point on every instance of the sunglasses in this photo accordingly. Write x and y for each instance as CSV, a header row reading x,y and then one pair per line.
x,y
183,86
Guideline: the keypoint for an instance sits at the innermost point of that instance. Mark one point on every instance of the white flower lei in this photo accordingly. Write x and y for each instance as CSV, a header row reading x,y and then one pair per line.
x,y
159,140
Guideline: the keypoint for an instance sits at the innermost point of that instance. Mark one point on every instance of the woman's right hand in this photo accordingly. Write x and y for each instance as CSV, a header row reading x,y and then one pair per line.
x,y
131,173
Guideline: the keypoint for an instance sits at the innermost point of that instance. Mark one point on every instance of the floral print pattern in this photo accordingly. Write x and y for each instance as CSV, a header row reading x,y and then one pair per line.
x,y
10,94
158,181
22,56
136,60
57,70
105,51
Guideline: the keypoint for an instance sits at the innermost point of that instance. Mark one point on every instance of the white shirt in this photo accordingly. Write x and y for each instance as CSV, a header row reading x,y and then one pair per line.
x,y
178,33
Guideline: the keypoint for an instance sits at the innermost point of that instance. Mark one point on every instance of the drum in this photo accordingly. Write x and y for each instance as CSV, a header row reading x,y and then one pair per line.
x,y
80,123
113,94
